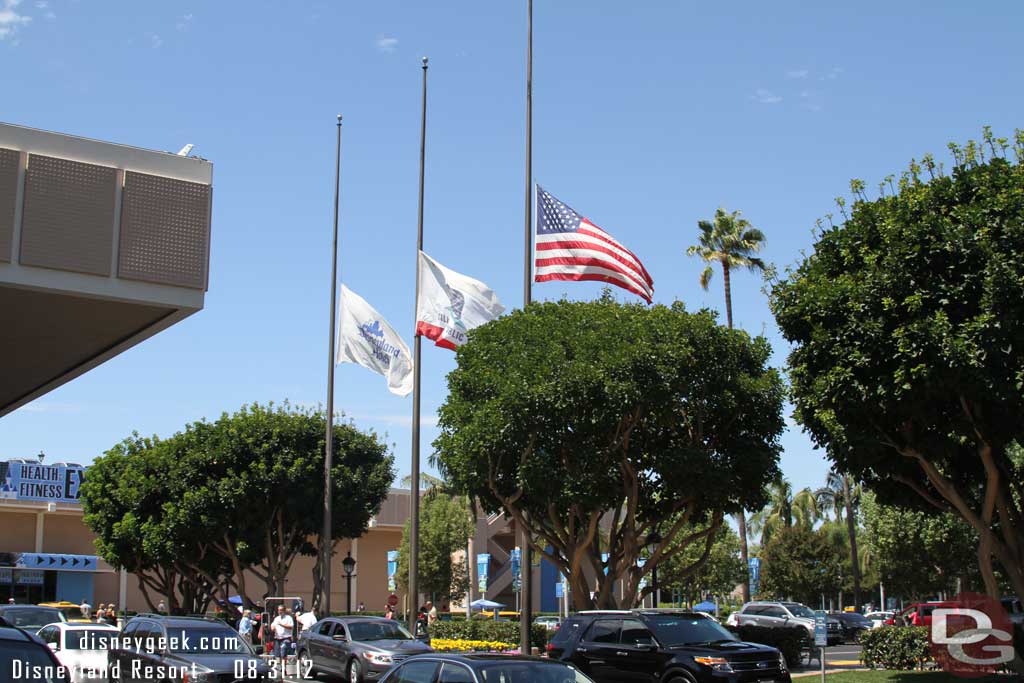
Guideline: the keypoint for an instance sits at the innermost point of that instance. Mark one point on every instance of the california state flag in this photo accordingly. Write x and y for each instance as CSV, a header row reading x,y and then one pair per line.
x,y
450,304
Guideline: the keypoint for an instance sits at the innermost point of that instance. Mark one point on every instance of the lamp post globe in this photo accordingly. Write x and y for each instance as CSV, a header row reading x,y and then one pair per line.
x,y
348,565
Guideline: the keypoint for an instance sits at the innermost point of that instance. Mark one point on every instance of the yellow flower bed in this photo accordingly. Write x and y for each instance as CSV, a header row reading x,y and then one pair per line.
x,y
461,645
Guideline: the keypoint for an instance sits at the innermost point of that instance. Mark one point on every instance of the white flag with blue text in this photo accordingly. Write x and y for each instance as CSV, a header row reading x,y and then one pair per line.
x,y
366,338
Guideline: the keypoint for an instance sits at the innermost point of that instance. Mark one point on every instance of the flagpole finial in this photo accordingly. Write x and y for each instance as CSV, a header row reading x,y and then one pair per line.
x,y
339,119
425,60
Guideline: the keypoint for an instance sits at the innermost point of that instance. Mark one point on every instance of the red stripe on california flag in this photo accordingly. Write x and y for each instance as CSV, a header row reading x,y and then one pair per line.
x,y
434,333
598,262
569,245
593,277
600,234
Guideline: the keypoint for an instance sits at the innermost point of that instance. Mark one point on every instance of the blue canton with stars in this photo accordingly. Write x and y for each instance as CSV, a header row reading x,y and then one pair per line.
x,y
554,216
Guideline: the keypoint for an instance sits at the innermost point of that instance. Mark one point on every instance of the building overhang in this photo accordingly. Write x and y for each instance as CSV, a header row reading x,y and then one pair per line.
x,y
101,247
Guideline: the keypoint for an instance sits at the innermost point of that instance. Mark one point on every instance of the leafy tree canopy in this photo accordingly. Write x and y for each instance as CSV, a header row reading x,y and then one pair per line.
x,y
907,325
566,413
799,564
718,575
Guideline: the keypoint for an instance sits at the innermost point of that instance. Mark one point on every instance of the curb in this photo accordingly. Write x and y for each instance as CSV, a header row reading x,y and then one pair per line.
x,y
827,672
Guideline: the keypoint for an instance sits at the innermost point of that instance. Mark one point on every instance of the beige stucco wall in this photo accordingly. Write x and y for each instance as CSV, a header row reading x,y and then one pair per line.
x,y
19,535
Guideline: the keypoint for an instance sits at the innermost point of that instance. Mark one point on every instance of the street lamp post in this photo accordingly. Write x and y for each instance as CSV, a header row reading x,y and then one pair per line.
x,y
653,541
349,566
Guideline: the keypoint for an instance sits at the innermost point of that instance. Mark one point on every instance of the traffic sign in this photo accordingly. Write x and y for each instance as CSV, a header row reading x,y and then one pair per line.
x,y
392,599
820,629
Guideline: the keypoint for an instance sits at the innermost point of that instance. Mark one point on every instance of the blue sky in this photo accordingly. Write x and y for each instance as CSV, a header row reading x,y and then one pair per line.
x,y
648,116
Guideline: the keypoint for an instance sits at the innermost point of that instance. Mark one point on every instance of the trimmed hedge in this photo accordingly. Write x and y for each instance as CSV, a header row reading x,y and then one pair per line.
x,y
895,647
489,630
789,640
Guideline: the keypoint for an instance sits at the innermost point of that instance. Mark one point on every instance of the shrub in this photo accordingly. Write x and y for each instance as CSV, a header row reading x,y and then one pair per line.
x,y
789,640
486,630
443,645
895,647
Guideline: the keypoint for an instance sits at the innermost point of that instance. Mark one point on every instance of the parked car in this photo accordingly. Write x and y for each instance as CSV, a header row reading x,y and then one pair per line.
x,y
70,610
23,658
851,624
549,623
662,645
359,648
783,614
81,648
155,647
445,668
918,614
31,617
878,619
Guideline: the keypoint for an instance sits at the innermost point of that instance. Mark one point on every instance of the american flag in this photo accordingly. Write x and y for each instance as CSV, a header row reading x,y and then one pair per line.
x,y
569,247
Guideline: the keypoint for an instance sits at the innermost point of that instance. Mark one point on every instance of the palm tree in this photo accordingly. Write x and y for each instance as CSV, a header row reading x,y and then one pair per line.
x,y
733,242
842,494
784,510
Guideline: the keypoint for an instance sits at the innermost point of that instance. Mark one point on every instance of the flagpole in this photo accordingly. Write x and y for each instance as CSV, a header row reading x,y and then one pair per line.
x,y
414,516
325,540
526,554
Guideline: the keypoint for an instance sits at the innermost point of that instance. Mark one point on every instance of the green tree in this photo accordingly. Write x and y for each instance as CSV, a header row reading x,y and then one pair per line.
x,y
732,242
799,564
919,553
842,495
908,344
784,510
569,415
719,575
446,525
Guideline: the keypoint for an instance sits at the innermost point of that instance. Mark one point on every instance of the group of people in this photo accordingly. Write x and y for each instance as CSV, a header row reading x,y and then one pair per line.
x,y
281,631
103,614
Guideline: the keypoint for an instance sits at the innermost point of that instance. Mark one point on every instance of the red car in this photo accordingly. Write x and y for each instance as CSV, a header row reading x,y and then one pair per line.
x,y
917,614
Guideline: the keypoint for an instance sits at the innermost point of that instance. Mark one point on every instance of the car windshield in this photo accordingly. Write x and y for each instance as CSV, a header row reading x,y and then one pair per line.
x,y
88,639
854,617
365,631
72,613
530,672
673,630
22,663
206,641
33,618
799,610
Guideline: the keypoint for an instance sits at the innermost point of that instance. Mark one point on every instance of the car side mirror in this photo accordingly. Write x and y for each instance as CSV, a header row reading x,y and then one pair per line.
x,y
339,637
53,646
646,647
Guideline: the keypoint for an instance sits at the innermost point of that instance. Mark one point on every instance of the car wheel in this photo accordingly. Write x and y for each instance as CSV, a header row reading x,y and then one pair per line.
x,y
355,671
306,665
679,678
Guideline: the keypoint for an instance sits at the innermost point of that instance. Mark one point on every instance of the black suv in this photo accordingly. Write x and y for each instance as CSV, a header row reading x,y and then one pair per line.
x,y
24,658
664,646
155,647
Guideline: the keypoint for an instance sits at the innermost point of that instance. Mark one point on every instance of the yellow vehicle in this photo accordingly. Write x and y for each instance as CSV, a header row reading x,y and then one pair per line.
x,y
71,611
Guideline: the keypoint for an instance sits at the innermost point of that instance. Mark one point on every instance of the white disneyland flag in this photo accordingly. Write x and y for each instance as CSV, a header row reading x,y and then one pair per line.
x,y
450,304
365,338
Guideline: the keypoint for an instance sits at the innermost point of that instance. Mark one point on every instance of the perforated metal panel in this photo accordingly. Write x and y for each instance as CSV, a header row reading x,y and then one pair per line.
x,y
68,221
8,194
165,227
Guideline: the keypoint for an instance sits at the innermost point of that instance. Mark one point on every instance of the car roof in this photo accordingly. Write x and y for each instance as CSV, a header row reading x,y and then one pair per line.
x,y
4,608
82,626
482,658
180,621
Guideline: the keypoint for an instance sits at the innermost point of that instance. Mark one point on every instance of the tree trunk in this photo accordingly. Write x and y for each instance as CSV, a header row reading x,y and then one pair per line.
x,y
851,530
728,294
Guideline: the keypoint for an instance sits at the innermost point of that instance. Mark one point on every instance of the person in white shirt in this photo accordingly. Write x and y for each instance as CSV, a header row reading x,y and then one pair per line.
x,y
86,608
306,620
283,627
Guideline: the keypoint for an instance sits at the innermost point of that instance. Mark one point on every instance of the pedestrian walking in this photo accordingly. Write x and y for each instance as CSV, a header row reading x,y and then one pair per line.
x,y
161,607
389,612
245,626
86,608
361,608
283,628
306,620
431,614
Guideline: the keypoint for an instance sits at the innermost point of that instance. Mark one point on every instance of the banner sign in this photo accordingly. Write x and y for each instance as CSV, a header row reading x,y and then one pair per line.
x,y
482,571
820,629
604,561
517,579
559,591
755,575
46,483
28,577
643,582
81,563
392,570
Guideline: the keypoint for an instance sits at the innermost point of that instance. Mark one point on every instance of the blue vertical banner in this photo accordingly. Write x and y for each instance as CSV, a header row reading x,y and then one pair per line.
x,y
604,561
755,575
392,570
516,560
483,561
640,563
559,591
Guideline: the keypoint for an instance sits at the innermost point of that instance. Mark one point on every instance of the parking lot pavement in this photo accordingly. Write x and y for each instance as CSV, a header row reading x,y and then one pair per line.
x,y
837,657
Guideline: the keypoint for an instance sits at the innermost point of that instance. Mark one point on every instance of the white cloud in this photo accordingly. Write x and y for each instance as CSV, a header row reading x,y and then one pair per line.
x,y
832,74
797,73
386,43
10,19
184,23
155,41
765,96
